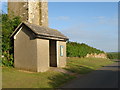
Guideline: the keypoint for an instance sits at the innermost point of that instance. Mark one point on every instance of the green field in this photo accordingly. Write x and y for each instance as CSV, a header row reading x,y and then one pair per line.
x,y
13,78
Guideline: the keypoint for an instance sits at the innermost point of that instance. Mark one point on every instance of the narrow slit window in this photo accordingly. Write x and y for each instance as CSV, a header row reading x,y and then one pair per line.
x,y
61,50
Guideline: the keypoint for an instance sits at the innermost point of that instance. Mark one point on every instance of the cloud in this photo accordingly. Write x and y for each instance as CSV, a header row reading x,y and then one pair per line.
x,y
107,20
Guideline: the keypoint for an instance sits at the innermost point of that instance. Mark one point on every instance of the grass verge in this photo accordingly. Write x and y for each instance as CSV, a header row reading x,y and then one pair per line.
x,y
86,65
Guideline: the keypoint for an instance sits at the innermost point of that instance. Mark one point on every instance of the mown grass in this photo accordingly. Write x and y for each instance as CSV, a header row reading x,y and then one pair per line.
x,y
86,65
13,78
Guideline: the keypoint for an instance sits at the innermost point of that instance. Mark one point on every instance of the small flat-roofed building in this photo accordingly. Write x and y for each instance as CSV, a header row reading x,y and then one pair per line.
x,y
36,48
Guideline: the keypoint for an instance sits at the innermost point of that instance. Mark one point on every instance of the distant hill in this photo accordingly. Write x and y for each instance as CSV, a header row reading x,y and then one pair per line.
x,y
113,55
75,49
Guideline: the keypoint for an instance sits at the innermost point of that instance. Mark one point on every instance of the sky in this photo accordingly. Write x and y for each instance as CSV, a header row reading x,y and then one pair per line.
x,y
93,23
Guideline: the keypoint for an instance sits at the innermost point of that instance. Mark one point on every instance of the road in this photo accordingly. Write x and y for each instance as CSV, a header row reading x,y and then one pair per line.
x,y
105,77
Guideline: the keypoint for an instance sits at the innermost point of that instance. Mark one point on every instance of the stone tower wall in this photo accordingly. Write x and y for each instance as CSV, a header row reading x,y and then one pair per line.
x,y
33,12
44,13
18,9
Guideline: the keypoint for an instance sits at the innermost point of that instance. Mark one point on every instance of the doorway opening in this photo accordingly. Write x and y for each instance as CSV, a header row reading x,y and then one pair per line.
x,y
53,53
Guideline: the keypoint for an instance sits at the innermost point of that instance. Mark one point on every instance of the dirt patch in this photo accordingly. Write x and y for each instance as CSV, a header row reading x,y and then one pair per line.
x,y
62,70
26,71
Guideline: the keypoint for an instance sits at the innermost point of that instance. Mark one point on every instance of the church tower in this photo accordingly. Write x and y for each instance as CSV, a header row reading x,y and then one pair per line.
x,y
35,12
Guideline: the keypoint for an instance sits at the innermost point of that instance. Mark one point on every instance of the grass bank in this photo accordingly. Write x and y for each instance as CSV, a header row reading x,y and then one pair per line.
x,y
13,78
86,65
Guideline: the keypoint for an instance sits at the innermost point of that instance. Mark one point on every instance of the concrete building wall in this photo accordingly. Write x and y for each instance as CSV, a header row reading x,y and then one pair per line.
x,y
61,60
42,55
25,51
33,12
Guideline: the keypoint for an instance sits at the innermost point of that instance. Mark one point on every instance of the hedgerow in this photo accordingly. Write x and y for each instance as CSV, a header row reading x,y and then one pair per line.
x,y
113,55
75,49
8,26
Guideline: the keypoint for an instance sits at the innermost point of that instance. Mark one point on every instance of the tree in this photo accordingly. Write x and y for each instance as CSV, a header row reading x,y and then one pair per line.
x,y
8,26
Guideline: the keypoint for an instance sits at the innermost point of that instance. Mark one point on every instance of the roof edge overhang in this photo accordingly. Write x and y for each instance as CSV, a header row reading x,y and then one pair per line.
x,y
51,37
19,26
15,31
38,35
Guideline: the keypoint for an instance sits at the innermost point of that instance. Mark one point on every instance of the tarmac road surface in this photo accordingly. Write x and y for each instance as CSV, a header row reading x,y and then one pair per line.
x,y
105,77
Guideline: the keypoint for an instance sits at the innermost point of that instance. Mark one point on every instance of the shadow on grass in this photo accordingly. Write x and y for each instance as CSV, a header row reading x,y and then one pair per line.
x,y
79,69
58,80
